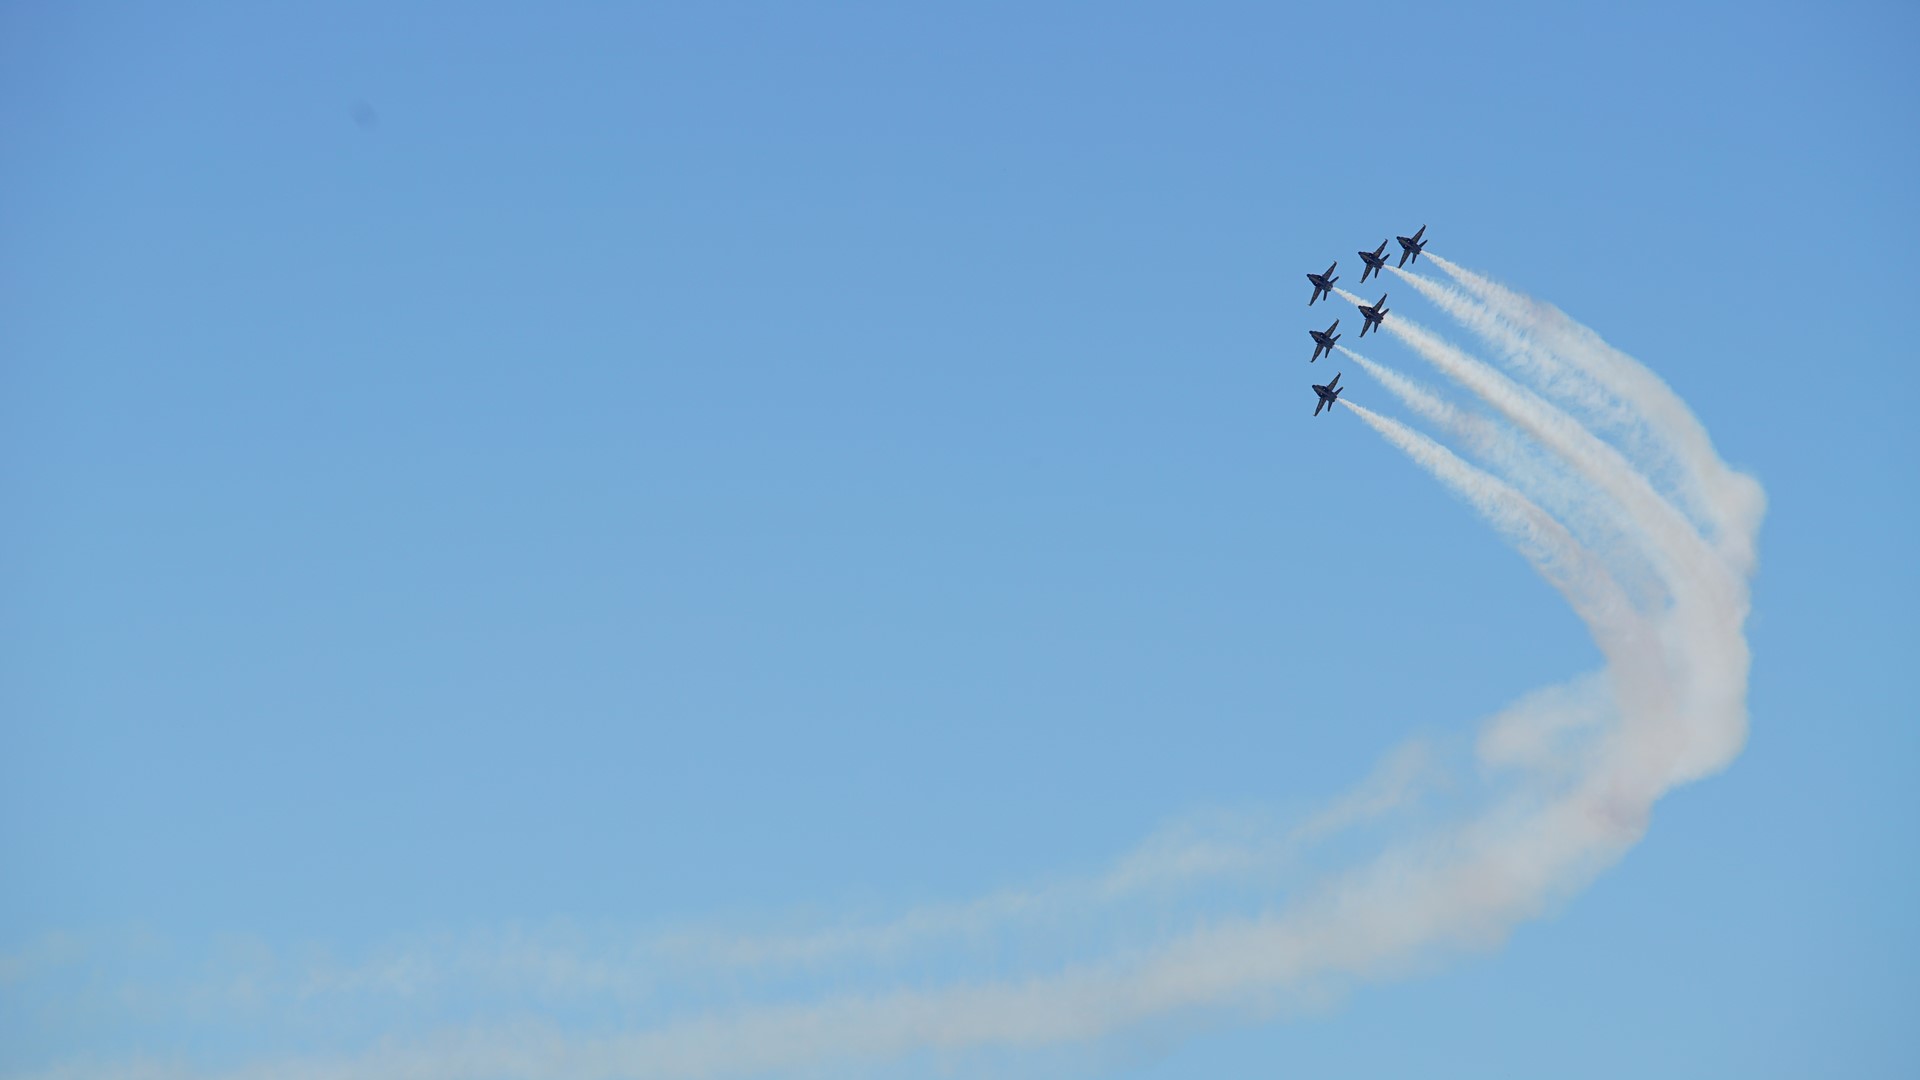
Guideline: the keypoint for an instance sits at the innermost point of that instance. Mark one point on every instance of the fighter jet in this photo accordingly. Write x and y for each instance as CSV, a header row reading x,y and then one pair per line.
x,y
1323,341
1322,284
1373,314
1374,259
1411,246
1329,394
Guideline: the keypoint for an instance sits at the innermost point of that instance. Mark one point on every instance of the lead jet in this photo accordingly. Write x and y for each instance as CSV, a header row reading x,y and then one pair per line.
x,y
1329,394
1374,259
1373,314
1323,340
1411,246
1322,283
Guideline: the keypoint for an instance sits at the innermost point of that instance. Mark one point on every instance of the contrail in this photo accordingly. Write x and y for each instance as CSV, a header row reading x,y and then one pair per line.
x,y
1706,585
1736,500
1574,387
1415,396
1566,783
1482,435
1552,375
1544,541
1541,477
1678,552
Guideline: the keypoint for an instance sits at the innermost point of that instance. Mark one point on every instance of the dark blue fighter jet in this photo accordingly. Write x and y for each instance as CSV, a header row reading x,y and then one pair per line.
x,y
1410,246
1329,394
1322,284
1375,260
1323,341
1373,314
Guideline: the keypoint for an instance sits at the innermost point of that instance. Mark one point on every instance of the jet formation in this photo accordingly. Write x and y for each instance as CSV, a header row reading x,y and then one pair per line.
x,y
1373,314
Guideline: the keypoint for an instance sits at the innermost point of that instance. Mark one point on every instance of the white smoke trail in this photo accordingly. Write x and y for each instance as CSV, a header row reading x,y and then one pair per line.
x,y
1572,775
1483,436
1183,857
1575,388
1546,543
1676,549
1542,477
1420,399
1735,501
1549,372
1706,585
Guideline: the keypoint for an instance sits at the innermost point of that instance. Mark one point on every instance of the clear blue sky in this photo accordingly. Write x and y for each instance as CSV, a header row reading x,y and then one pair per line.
x,y
472,472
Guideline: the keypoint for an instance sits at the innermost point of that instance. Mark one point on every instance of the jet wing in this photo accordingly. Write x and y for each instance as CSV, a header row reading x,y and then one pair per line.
x,y
1321,405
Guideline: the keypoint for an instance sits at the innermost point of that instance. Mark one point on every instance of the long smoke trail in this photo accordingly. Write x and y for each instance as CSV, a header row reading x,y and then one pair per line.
x,y
1706,585
1568,780
1542,477
1420,399
1574,386
1483,436
1545,542
1549,373
1676,549
1735,501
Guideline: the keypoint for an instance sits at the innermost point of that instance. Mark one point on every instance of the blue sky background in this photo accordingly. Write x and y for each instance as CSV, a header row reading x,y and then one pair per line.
x,y
651,466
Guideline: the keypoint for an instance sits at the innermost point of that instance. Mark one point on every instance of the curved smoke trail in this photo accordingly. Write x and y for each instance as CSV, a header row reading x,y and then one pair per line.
x,y
1569,774
1628,393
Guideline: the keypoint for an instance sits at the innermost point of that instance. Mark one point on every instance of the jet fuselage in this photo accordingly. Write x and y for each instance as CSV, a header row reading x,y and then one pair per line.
x,y
1373,314
1322,284
1329,394
1375,260
1323,341
1412,246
